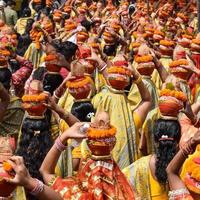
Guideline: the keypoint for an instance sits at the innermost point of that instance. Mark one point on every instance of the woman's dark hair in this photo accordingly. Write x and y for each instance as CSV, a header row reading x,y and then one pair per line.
x,y
165,148
5,77
68,49
87,24
29,25
43,11
110,50
83,111
35,142
14,65
39,73
51,82
26,12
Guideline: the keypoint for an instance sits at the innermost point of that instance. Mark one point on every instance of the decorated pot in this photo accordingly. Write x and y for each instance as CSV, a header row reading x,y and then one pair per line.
x,y
170,107
5,188
101,147
80,88
53,67
34,104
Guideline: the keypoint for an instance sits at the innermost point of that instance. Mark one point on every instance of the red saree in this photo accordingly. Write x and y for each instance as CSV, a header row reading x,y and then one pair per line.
x,y
96,180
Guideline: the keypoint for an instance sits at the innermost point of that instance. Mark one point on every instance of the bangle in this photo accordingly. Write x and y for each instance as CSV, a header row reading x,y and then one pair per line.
x,y
38,188
138,80
102,69
59,145
54,94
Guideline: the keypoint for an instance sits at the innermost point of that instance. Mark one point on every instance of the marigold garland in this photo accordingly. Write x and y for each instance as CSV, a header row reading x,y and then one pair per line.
x,y
50,57
187,36
157,32
119,70
167,43
135,44
35,98
4,52
173,93
7,166
179,62
79,83
196,41
143,59
94,133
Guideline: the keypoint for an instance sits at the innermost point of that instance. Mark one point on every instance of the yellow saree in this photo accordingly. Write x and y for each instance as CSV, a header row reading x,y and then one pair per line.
x,y
116,104
139,176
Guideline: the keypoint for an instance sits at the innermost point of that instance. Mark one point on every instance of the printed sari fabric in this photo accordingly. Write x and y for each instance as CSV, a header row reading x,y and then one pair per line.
x,y
96,180
140,177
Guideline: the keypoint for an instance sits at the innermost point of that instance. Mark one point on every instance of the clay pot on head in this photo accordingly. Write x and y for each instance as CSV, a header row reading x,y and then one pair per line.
x,y
53,67
170,107
5,188
118,81
101,147
35,108
146,69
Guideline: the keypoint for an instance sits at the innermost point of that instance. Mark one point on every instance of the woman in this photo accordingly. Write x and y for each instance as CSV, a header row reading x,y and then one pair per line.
x,y
21,24
148,174
115,102
91,191
179,190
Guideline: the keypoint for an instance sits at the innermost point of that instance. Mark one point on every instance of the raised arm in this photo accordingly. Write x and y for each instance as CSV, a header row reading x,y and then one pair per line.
x,y
175,165
145,105
48,166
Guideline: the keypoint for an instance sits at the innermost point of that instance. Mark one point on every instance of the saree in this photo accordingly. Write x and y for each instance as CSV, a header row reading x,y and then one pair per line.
x,y
12,120
34,55
165,61
115,102
96,180
147,129
134,95
139,176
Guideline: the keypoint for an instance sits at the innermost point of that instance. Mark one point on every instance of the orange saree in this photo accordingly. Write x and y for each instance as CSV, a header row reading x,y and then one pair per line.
x,y
96,180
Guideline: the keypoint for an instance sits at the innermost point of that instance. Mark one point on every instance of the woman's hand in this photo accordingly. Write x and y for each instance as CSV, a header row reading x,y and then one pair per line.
x,y
22,176
74,132
196,139
51,104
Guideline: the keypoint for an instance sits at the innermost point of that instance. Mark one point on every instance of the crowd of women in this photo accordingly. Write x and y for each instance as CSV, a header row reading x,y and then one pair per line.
x,y
99,100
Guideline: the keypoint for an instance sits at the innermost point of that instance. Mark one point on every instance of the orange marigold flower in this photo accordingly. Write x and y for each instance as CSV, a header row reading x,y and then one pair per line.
x,y
157,32
179,62
79,83
35,98
119,70
7,166
187,36
196,41
101,133
173,93
167,43
143,59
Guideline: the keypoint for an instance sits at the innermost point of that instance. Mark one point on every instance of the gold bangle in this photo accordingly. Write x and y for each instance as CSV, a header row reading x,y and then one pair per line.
x,y
138,80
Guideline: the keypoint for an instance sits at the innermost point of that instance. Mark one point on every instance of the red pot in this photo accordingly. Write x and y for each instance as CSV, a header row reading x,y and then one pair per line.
x,y
80,93
5,188
146,71
182,75
170,107
100,147
53,68
35,109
